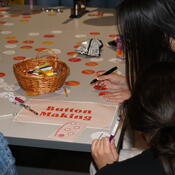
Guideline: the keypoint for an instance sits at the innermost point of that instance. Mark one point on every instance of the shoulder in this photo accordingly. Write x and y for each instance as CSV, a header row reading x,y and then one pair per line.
x,y
144,163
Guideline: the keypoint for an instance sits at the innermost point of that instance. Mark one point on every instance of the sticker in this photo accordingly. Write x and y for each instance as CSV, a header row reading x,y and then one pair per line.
x,y
12,41
94,33
28,41
104,93
57,31
72,53
80,36
91,64
10,37
40,49
6,32
47,42
72,83
10,46
74,59
19,58
2,74
9,24
9,52
88,72
113,35
57,51
34,34
26,47
49,36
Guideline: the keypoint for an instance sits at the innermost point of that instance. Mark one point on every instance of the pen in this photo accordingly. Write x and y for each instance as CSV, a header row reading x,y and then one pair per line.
x,y
114,130
28,108
105,73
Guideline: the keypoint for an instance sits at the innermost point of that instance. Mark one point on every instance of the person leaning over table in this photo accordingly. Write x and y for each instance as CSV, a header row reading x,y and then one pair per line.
x,y
147,28
150,110
7,161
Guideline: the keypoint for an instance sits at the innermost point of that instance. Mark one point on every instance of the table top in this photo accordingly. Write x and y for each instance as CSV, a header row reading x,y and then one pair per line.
x,y
25,31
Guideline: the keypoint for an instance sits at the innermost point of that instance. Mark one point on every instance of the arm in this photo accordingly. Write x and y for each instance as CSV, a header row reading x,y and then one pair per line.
x,y
104,152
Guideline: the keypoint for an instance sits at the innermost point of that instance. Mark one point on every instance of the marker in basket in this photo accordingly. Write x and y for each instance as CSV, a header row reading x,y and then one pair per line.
x,y
28,108
105,73
114,130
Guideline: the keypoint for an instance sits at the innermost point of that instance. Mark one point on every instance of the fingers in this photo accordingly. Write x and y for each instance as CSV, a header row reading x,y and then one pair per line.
x,y
118,96
103,152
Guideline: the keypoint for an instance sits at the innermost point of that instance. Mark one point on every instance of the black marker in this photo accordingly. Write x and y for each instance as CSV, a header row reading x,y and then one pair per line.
x,y
105,73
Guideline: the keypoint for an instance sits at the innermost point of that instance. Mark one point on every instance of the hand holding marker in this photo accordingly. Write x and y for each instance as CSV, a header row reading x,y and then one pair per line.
x,y
105,73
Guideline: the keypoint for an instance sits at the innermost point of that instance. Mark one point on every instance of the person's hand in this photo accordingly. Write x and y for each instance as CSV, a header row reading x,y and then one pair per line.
x,y
118,96
104,152
112,81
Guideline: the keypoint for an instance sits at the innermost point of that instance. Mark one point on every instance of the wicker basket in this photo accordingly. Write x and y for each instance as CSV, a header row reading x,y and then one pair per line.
x,y
35,85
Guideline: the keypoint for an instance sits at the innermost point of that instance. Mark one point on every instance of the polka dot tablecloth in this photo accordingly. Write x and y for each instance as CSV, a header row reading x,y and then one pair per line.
x,y
25,32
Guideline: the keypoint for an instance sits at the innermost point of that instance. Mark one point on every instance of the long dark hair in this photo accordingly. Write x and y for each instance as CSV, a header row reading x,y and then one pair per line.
x,y
151,109
146,27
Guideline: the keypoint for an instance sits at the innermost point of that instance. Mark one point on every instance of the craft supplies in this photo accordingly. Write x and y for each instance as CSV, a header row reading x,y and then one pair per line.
x,y
29,108
46,82
90,47
45,69
105,73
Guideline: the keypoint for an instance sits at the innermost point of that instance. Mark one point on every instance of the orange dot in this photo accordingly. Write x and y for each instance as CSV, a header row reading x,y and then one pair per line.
x,y
28,42
26,47
14,16
40,49
2,74
47,42
91,64
87,71
94,33
72,53
52,14
49,36
112,35
72,83
26,16
104,93
19,58
2,22
75,59
24,20
12,41
10,37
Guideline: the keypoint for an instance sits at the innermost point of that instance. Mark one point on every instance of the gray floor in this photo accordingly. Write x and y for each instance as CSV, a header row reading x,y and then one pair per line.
x,y
41,171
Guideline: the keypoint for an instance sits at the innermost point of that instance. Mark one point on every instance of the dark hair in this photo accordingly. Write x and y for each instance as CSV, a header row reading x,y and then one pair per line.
x,y
146,27
151,109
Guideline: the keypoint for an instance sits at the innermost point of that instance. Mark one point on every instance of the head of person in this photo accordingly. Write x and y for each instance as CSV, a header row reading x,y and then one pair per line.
x,y
147,28
151,110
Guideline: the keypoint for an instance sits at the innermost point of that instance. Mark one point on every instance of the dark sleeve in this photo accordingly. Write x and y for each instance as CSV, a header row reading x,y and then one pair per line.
x,y
143,164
